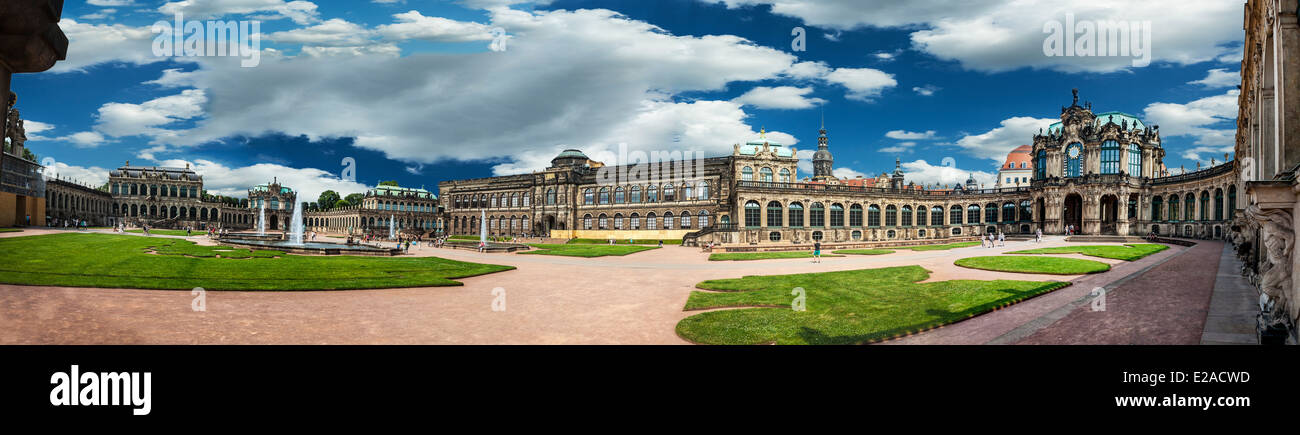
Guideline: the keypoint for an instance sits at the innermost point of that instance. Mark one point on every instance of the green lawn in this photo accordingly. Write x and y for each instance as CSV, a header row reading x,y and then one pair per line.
x,y
106,260
168,232
1048,265
846,307
581,250
1128,252
942,247
863,251
746,256
624,241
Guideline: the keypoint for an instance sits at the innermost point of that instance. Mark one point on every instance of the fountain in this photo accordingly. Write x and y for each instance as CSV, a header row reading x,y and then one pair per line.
x,y
261,220
392,228
295,227
482,227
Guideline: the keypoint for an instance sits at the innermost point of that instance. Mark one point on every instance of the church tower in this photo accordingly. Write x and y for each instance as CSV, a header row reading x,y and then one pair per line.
x,y
896,180
822,160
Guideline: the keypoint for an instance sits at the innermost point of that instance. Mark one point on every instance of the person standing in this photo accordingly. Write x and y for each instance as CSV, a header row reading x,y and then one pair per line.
x,y
1002,239
1038,235
817,252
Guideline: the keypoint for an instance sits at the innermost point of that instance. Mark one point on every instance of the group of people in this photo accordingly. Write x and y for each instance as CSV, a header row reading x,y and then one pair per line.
x,y
68,223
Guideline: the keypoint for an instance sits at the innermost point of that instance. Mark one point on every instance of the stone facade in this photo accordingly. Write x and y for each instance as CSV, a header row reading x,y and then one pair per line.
x,y
1268,153
412,211
162,197
279,202
70,202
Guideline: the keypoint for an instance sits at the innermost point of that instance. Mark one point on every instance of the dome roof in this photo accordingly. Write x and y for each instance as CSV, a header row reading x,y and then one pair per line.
x,y
571,153
1019,158
822,155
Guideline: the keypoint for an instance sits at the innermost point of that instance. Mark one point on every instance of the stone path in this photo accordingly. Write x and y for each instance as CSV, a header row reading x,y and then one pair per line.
x,y
1234,305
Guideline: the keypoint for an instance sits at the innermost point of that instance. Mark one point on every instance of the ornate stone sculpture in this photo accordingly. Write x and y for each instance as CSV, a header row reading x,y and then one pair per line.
x,y
1277,236
14,130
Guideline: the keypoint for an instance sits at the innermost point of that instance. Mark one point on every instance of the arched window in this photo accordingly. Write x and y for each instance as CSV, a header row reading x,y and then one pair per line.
x,y
921,215
669,195
1205,206
687,191
526,196
1026,210
837,215
891,216
873,215
1110,157
796,215
652,194
636,194
1173,208
493,201
618,195
1008,212
954,215
636,221
936,215
589,196
686,219
702,190
817,215
514,199
550,196
668,220
990,213
586,222
765,175
752,215
1073,159
604,195
1189,207
906,220
1134,160
855,215
703,216
1218,204
785,175
1232,201
774,212
603,221
1157,204
747,174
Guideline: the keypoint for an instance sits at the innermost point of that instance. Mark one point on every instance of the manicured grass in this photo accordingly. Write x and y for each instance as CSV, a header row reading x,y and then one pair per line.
x,y
168,232
846,307
107,260
1048,265
580,250
624,241
1128,252
746,256
942,247
863,251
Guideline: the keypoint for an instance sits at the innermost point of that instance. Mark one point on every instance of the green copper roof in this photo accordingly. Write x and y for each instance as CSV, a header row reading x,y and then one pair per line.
x,y
571,153
1105,117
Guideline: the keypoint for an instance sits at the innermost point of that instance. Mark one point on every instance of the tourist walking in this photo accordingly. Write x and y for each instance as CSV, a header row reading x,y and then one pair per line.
x,y
1038,235
817,252
1002,239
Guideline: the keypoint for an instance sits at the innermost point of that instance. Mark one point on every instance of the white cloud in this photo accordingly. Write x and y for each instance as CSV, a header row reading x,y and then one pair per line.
x,y
922,172
330,33
99,15
910,135
301,12
995,144
413,25
93,176
863,84
84,139
848,173
91,44
173,78
899,148
780,97
1000,36
110,2
1219,78
926,90
1207,120
150,118
33,129
613,76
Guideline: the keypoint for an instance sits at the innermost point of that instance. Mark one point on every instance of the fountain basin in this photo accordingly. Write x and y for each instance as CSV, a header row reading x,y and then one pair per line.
x,y
253,236
491,246
316,248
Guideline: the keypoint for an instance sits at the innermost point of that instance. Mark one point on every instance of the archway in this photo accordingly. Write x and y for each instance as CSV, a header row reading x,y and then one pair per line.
x,y
1109,207
275,223
1072,212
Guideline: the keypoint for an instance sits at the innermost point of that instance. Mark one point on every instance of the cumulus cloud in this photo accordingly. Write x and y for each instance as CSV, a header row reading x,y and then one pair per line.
x,y
1219,78
150,118
922,172
991,35
780,97
92,44
33,129
1208,121
234,181
301,12
863,84
899,148
84,139
910,135
926,91
334,32
413,25
92,176
995,144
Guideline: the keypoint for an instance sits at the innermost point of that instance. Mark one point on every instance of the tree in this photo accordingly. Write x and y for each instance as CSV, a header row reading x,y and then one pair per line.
x,y
354,198
389,183
328,197
340,203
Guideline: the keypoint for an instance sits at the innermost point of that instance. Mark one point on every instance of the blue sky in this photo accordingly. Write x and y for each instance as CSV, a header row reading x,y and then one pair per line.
x,y
413,91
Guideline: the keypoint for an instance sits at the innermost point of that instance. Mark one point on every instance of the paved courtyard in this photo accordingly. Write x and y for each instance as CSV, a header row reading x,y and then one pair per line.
x,y
635,299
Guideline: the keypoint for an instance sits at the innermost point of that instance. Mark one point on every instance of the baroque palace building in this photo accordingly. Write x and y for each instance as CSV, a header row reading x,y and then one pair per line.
x,y
278,201
408,211
69,202
163,197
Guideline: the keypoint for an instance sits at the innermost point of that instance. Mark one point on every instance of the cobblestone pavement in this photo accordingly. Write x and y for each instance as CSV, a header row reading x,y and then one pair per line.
x,y
635,299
